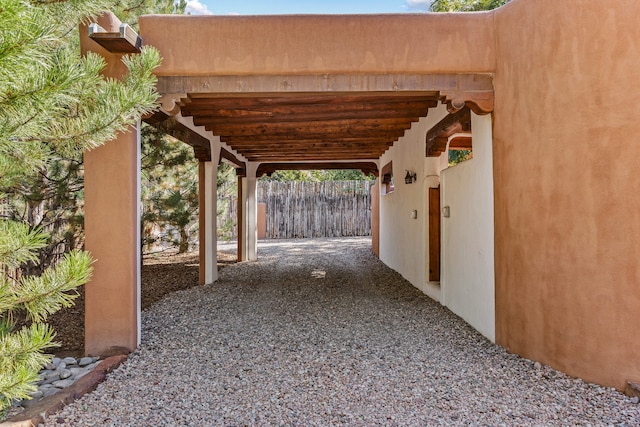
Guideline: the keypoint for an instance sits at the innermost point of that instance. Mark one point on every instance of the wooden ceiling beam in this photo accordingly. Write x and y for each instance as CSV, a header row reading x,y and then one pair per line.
x,y
320,125
315,157
312,146
316,137
333,135
270,111
315,134
316,99
212,120
252,142
288,153
308,145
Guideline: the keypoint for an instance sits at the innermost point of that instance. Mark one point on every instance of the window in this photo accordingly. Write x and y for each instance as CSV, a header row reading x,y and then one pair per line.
x,y
387,178
460,149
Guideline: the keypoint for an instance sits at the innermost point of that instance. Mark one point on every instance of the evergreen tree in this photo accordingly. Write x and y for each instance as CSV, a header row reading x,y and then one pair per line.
x,y
465,5
169,192
53,196
227,198
53,106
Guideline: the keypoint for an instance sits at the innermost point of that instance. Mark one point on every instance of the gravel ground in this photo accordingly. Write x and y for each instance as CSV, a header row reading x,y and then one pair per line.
x,y
161,274
319,332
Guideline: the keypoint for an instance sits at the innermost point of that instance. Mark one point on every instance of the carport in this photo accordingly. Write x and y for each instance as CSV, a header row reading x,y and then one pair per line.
x,y
547,264
264,105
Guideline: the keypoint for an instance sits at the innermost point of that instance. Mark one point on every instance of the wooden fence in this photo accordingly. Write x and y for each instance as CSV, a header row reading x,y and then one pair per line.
x,y
299,209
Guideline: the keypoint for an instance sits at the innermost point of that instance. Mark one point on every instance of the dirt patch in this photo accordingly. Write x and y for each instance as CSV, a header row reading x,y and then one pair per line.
x,y
160,275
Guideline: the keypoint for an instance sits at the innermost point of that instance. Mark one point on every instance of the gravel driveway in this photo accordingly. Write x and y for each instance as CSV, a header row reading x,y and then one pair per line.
x,y
319,332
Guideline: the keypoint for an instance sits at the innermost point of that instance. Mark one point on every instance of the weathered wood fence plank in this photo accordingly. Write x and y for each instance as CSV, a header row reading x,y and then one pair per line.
x,y
300,209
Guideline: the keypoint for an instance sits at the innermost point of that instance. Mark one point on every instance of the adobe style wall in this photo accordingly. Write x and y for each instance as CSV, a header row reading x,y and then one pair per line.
x,y
309,44
566,167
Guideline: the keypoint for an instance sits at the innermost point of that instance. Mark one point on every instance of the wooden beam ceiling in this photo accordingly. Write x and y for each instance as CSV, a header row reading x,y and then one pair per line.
x,y
307,127
320,117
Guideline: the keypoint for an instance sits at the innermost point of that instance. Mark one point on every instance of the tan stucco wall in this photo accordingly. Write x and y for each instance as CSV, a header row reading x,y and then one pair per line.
x,y
304,44
566,163
112,227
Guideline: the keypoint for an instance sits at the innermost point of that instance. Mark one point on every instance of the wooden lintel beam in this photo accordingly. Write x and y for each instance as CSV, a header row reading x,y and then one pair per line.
x,y
463,142
335,84
366,167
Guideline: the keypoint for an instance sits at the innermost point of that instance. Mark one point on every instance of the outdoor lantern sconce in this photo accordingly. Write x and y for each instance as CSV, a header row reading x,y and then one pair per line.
x,y
410,177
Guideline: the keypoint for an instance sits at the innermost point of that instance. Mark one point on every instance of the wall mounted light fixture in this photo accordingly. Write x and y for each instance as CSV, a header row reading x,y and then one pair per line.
x,y
410,177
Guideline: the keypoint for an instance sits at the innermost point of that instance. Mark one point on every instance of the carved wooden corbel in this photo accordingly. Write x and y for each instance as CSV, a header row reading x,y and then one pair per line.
x,y
438,136
170,103
480,102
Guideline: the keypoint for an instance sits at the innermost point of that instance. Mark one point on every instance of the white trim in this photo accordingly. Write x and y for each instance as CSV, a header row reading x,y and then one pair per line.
x,y
211,205
251,211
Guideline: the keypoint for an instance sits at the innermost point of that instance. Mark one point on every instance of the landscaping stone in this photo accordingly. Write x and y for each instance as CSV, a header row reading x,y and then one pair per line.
x,y
35,411
58,375
65,373
268,344
62,383
86,361
70,361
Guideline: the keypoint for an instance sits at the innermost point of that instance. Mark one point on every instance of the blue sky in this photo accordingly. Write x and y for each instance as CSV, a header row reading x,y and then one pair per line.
x,y
261,7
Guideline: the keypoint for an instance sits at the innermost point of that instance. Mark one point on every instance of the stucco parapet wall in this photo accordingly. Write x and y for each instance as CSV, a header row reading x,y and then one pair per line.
x,y
317,44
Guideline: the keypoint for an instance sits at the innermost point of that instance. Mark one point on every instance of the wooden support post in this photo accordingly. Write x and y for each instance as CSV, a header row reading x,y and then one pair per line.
x,y
240,224
201,224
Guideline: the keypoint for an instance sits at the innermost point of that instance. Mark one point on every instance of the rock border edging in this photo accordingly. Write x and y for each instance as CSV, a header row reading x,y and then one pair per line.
x,y
48,406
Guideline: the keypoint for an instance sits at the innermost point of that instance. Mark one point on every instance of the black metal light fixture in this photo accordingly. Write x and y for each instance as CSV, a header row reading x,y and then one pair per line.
x,y
410,177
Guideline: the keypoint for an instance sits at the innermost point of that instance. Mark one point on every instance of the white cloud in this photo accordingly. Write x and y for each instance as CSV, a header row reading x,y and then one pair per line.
x,y
194,7
422,5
